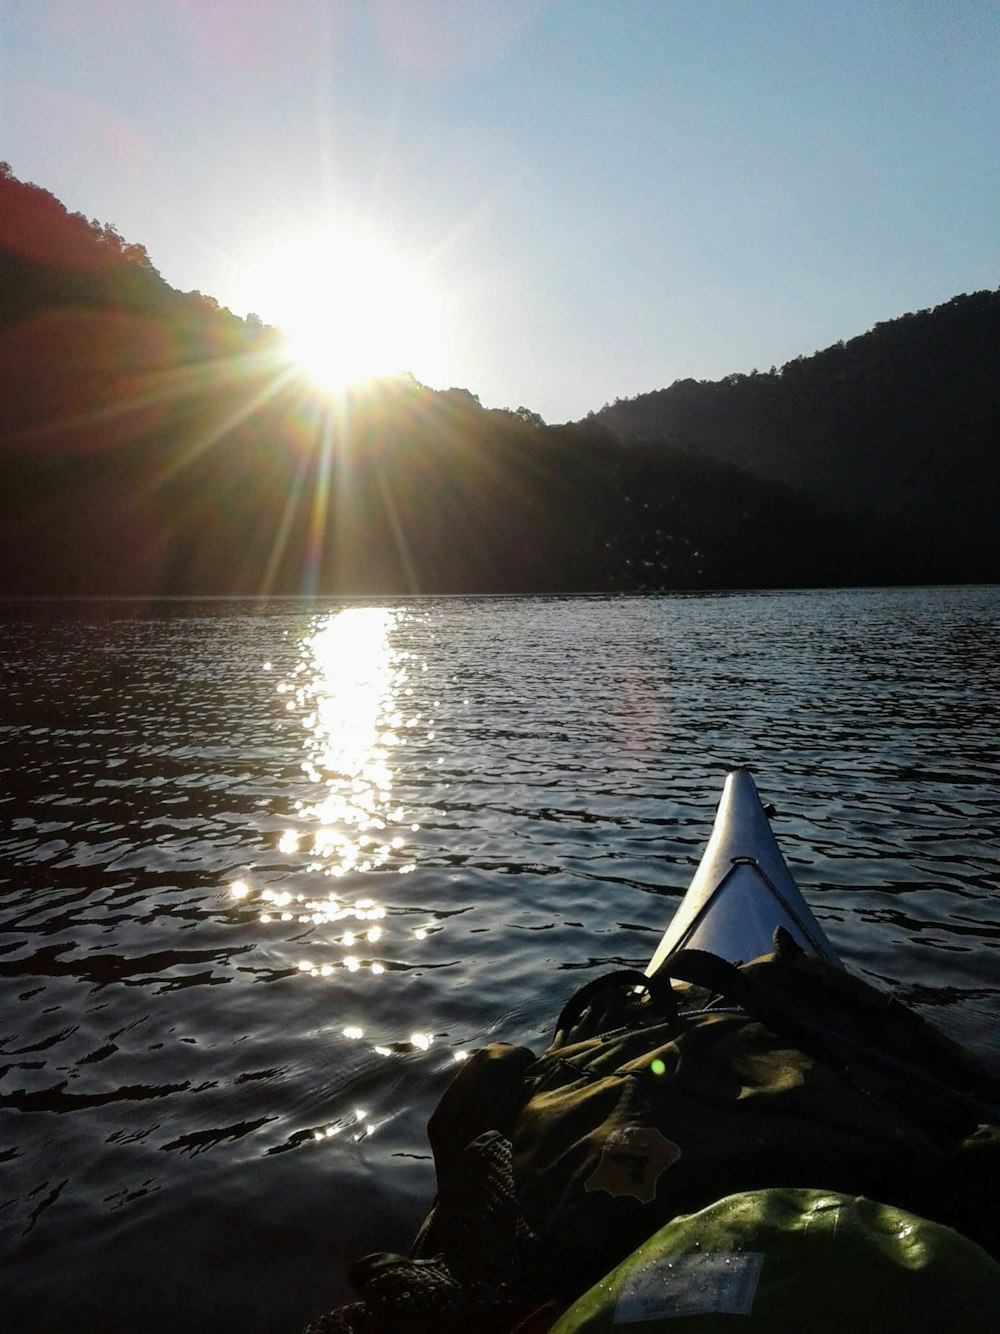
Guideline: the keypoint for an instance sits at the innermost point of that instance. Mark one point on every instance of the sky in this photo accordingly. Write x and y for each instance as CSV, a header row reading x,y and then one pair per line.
x,y
603,196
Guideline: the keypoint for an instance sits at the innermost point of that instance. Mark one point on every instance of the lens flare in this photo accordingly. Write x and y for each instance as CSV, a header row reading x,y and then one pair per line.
x,y
352,309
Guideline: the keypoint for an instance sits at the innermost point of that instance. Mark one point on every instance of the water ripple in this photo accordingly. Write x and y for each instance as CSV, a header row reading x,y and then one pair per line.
x,y
419,826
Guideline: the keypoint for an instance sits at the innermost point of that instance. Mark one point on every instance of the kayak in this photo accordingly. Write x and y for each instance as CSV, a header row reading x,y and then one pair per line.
x,y
742,890
651,1148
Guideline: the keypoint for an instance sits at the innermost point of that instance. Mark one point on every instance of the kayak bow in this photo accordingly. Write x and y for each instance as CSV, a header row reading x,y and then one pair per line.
x,y
742,889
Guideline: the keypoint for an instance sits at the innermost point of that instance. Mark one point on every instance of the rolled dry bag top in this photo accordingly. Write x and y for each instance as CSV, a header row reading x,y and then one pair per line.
x,y
785,1261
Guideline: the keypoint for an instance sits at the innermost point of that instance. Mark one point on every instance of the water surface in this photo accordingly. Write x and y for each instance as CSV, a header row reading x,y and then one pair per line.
x,y
271,869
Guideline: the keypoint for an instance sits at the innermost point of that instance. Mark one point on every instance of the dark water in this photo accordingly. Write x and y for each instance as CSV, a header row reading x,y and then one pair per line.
x,y
269,870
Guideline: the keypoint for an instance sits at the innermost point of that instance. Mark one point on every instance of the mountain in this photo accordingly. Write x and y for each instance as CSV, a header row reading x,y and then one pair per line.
x,y
154,443
900,424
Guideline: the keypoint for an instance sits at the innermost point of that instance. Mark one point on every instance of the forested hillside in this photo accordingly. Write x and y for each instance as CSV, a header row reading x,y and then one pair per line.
x,y
153,443
902,421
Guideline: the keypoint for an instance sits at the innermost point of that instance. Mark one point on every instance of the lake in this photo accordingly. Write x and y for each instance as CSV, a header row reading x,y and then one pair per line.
x,y
270,869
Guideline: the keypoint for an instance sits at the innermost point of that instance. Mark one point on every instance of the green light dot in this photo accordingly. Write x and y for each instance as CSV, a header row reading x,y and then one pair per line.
x,y
657,1067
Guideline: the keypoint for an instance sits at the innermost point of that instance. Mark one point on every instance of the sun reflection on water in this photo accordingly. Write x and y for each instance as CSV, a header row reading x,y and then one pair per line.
x,y
345,687
349,679
350,702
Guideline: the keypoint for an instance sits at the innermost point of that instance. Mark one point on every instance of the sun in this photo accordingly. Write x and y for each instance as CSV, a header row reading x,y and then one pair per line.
x,y
350,308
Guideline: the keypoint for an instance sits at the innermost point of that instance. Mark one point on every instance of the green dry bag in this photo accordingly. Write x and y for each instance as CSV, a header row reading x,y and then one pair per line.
x,y
786,1261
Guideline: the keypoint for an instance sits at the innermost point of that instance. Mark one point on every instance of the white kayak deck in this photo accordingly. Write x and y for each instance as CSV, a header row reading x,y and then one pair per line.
x,y
742,889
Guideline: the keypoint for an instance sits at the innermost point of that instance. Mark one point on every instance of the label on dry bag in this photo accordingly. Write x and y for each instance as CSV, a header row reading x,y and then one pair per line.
x,y
703,1283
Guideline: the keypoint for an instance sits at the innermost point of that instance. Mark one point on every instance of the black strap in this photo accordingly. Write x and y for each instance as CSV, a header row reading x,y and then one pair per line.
x,y
713,973
835,1049
613,1001
725,979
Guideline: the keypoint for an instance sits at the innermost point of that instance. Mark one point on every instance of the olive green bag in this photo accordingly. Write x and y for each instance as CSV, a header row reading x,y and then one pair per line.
x,y
786,1260
783,1072
656,1100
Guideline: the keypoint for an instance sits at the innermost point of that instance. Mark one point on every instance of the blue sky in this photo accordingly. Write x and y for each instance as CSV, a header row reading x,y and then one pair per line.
x,y
607,196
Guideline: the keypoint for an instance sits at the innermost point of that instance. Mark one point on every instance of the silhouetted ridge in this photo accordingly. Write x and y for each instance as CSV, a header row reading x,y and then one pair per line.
x,y
901,421
153,443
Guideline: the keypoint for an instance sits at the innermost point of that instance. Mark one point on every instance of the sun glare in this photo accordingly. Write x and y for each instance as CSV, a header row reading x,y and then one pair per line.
x,y
351,310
